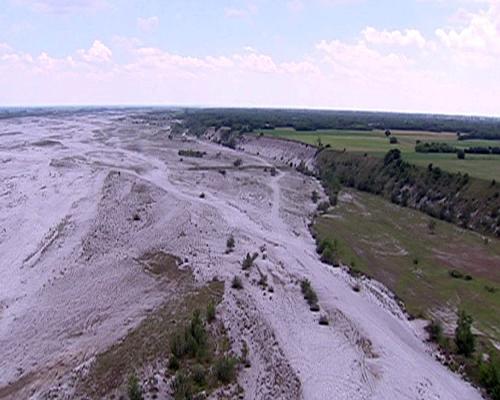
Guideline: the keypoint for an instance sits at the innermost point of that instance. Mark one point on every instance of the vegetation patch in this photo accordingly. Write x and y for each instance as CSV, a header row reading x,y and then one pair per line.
x,y
309,295
152,340
192,153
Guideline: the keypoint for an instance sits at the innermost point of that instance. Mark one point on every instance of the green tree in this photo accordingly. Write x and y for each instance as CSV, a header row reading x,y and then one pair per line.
x,y
464,339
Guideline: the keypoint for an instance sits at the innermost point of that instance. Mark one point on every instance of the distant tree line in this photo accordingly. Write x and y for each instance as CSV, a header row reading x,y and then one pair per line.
x,y
438,147
247,120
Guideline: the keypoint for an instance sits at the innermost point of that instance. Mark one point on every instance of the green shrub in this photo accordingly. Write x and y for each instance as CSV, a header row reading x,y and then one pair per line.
x,y
173,363
309,294
182,387
134,390
489,376
238,162
192,341
199,374
224,369
464,339
211,311
314,196
435,331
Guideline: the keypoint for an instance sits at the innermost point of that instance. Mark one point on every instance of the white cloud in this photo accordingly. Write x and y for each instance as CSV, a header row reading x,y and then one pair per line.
x,y
409,37
477,42
233,12
148,24
63,6
98,52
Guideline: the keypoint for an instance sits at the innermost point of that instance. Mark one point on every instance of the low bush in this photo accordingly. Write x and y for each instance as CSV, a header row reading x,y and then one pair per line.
x,y
464,339
236,283
191,153
182,387
248,261
309,294
224,369
323,320
323,206
238,162
211,311
435,331
230,243
133,389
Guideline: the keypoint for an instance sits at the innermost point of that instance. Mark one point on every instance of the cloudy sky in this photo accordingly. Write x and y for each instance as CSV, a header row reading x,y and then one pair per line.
x,y
412,55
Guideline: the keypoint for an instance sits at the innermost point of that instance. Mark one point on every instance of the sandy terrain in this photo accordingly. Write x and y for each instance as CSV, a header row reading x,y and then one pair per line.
x,y
83,197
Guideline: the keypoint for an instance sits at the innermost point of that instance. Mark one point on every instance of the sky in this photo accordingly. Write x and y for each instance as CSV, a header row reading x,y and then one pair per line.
x,y
439,56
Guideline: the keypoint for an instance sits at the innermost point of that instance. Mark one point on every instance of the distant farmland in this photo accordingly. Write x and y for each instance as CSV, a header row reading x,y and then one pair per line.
x,y
376,143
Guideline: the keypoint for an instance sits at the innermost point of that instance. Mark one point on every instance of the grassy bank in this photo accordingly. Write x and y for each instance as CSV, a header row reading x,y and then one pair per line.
x,y
418,262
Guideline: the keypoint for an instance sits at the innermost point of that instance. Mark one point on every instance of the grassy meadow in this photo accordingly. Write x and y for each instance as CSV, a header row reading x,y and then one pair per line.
x,y
376,143
396,246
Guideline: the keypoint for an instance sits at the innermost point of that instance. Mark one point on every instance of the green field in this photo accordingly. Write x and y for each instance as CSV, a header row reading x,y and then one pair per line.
x,y
376,143
395,246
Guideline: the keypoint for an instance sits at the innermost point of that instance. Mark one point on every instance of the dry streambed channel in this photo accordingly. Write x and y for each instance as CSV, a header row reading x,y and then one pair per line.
x,y
123,256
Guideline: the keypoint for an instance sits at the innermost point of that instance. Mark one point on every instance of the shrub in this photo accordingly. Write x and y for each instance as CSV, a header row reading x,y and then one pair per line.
x,y
314,196
199,374
134,390
435,331
489,376
192,341
236,283
456,274
211,311
431,226
191,153
461,154
464,339
173,363
202,195
224,369
393,140
323,320
309,294
323,206
182,387
230,243
249,260
238,162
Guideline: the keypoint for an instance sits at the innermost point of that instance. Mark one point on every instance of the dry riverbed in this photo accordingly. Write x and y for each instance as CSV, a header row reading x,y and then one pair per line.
x,y
88,200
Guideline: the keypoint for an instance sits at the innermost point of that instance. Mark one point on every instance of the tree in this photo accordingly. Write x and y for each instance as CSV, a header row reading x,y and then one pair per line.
x,y
393,140
461,154
464,339
388,132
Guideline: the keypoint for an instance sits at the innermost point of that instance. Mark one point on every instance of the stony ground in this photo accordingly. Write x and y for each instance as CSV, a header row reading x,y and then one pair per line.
x,y
84,197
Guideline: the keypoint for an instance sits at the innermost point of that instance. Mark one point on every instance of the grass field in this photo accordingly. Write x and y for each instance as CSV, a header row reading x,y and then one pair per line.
x,y
376,143
395,246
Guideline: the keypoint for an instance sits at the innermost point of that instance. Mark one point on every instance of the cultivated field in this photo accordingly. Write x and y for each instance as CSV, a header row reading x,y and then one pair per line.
x,y
376,143
397,246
